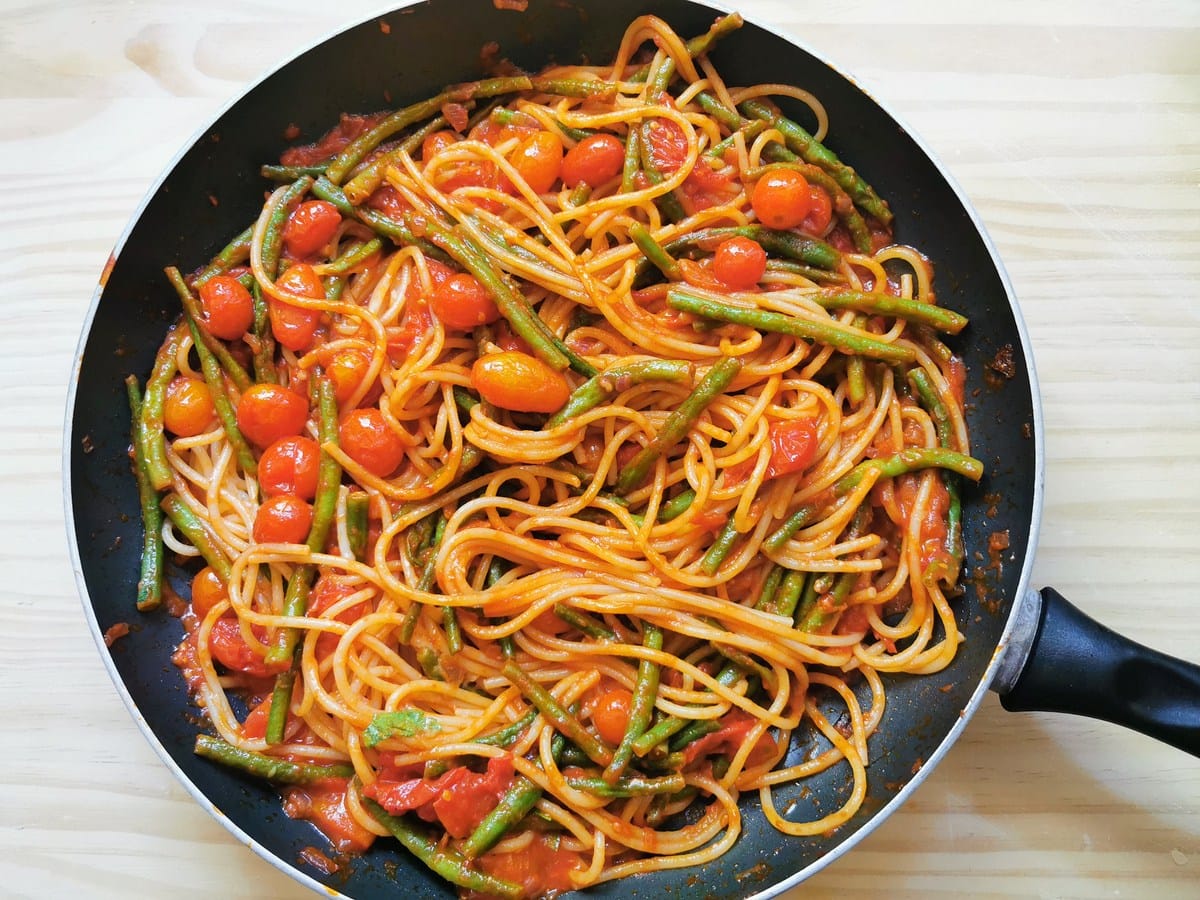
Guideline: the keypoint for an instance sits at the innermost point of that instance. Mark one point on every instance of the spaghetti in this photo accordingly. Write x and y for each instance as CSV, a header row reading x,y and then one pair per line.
x,y
555,449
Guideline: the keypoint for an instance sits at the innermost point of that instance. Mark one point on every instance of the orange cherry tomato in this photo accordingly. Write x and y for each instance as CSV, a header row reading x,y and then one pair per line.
x,y
207,591
188,408
367,440
739,262
290,466
593,161
517,381
437,142
461,302
346,369
283,519
820,211
268,412
310,226
781,198
294,326
611,714
228,307
538,159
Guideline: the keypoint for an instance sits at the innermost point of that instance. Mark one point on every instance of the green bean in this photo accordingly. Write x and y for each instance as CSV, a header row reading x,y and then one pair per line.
x,y
582,88
669,203
200,333
508,736
722,113
803,143
428,659
677,505
273,233
679,423
353,257
368,179
942,319
358,505
815,616
941,421
660,79
281,701
749,131
355,151
428,561
791,525
790,590
446,862
453,631
264,340
770,585
268,767
395,231
856,370
197,533
237,251
693,732
654,252
521,796
560,718
632,164
788,244
583,623
703,43
645,692
720,548
662,730
291,173
911,460
812,273
628,785
839,337
225,411
619,377
329,478
149,590
150,428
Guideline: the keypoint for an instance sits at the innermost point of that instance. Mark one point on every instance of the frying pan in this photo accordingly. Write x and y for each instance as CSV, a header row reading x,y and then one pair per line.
x,y
1032,646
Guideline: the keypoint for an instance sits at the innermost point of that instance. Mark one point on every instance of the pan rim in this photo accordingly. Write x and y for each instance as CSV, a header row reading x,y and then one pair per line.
x,y
1038,475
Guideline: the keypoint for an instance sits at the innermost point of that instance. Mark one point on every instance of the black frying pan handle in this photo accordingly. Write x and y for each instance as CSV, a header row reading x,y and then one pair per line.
x,y
1076,665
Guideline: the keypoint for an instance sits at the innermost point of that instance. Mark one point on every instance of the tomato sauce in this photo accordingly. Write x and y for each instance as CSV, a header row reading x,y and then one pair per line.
x,y
539,869
325,806
332,142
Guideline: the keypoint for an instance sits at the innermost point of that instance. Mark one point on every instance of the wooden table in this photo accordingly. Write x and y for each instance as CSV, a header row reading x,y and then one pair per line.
x,y
1075,129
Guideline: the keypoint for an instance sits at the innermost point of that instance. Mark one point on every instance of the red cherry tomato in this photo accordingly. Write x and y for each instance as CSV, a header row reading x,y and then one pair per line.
x,y
611,714
437,142
538,159
517,381
739,262
290,466
347,368
820,212
367,440
283,519
229,648
268,412
781,198
793,446
188,408
461,302
294,326
207,591
593,161
310,227
228,307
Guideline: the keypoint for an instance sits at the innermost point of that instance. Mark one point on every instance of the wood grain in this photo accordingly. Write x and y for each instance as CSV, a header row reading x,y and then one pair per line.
x,y
1075,129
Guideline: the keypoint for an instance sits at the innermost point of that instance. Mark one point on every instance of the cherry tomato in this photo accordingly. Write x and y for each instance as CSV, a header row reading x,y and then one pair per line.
x,y
611,714
668,145
229,648
781,198
283,519
461,302
346,369
294,326
793,446
820,211
228,307
593,161
268,412
739,262
517,381
188,408
367,440
207,591
538,159
310,227
437,142
290,466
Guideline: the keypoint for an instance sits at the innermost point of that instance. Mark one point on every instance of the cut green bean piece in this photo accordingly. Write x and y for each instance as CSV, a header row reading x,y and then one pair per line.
x,y
215,380
521,796
720,548
272,244
677,505
264,349
654,252
627,785
942,319
270,768
236,252
619,377
911,460
194,529
149,589
556,715
358,505
281,701
645,692
150,428
784,533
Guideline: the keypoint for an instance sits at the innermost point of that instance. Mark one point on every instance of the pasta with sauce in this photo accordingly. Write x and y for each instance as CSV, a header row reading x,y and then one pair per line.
x,y
549,452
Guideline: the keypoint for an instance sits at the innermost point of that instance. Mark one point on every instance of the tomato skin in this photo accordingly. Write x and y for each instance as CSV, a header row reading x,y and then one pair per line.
x,y
310,226
437,142
207,591
611,713
295,326
735,726
268,412
793,446
346,369
461,302
459,799
283,519
668,145
229,648
781,198
538,159
290,466
368,440
739,263
593,161
255,725
228,307
519,382
188,409
820,212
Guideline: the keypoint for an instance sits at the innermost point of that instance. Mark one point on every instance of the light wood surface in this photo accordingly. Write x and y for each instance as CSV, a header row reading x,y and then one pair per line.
x,y
1075,129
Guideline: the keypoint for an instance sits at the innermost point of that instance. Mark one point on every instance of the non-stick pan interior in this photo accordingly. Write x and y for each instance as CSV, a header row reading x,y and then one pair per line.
x,y
214,191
